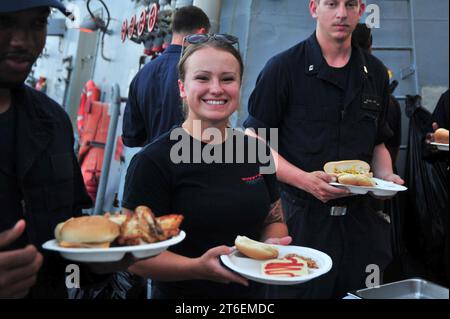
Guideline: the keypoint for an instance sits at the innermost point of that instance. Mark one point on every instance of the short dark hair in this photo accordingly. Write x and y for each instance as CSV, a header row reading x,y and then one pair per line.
x,y
362,36
187,20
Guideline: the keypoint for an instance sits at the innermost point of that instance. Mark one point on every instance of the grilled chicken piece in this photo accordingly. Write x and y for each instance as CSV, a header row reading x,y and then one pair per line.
x,y
170,224
154,227
141,228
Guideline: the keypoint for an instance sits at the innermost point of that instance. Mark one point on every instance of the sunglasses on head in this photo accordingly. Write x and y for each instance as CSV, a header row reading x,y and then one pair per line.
x,y
202,38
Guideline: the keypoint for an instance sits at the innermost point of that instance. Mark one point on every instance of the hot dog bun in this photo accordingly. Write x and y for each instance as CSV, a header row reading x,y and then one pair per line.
x,y
351,172
255,249
349,167
356,180
441,136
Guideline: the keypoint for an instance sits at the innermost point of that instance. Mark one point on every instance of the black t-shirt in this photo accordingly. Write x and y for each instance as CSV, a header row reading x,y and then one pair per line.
x,y
7,148
340,79
340,75
218,200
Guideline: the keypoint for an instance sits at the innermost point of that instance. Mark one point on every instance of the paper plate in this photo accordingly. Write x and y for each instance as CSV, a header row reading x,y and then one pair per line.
x,y
440,146
383,188
113,253
251,268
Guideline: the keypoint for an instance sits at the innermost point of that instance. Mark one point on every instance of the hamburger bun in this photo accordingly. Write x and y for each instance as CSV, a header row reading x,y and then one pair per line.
x,y
351,172
58,231
255,249
441,136
87,232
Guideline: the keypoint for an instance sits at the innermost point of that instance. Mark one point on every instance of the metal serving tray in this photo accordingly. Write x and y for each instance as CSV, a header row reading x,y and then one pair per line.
x,y
414,288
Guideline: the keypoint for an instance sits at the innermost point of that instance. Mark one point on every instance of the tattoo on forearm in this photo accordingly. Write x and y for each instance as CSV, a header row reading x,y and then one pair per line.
x,y
275,214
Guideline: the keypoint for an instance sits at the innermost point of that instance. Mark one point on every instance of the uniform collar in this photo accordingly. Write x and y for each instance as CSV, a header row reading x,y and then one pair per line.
x,y
359,70
314,56
173,48
315,60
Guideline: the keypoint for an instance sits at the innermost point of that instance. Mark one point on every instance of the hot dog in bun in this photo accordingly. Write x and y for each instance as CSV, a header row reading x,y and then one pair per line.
x,y
255,249
441,136
351,172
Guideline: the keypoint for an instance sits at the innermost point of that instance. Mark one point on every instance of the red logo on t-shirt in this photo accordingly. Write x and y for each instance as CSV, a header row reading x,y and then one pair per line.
x,y
252,179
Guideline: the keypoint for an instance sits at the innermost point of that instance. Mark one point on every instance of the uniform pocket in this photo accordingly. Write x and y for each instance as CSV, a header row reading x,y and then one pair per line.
x,y
370,118
367,128
312,127
314,113
370,108
371,103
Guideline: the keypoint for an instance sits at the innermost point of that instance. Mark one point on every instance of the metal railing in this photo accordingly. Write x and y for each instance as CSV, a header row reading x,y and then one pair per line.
x,y
109,148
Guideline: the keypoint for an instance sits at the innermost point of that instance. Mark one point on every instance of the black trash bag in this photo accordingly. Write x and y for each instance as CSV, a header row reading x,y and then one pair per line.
x,y
426,201
399,268
120,285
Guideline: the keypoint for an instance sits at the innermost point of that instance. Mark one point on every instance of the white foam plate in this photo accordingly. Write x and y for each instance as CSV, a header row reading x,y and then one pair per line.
x,y
113,253
251,268
440,146
383,188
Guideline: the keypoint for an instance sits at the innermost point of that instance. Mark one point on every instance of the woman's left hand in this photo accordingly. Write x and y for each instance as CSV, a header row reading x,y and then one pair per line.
x,y
279,241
